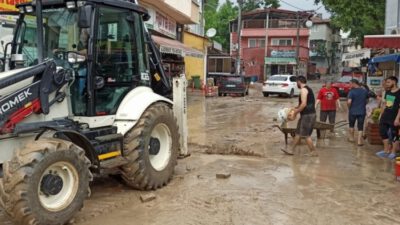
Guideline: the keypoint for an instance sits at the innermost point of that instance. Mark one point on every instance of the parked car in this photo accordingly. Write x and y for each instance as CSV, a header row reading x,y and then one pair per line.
x,y
233,85
343,85
314,76
281,85
352,71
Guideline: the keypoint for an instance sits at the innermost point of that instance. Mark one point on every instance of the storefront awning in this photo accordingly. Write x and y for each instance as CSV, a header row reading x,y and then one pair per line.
x,y
386,58
280,61
357,55
170,46
382,41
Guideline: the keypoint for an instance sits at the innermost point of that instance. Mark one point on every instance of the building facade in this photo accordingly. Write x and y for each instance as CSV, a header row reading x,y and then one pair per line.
x,y
269,48
193,37
325,52
167,25
392,19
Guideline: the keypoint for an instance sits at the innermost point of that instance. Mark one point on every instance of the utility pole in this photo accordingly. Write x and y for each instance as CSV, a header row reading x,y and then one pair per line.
x,y
266,42
39,34
239,33
297,43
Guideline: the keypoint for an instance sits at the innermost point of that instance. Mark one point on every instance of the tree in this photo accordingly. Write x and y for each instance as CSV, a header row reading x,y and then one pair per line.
x,y
321,49
219,18
249,5
360,17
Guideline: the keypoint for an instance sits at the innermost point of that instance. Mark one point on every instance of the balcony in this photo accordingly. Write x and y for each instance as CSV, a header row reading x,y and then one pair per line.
x,y
274,32
179,10
195,12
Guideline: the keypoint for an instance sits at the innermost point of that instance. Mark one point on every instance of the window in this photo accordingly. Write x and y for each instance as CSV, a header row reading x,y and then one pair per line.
x,y
252,43
256,43
282,42
116,47
314,28
262,42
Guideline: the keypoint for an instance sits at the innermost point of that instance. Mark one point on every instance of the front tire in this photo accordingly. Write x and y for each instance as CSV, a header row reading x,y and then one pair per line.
x,y
152,147
46,182
291,94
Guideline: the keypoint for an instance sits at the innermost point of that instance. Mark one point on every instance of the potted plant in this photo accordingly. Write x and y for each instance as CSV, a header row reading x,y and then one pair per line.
x,y
373,136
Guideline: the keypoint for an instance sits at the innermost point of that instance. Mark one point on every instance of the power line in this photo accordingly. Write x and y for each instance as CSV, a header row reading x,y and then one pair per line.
x,y
291,5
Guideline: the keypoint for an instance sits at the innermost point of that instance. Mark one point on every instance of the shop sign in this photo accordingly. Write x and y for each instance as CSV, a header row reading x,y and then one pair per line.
x,y
283,54
170,50
9,5
280,61
358,55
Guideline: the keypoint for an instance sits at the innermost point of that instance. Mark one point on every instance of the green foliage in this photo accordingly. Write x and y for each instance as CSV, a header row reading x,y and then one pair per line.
x,y
361,17
375,115
249,5
219,18
320,47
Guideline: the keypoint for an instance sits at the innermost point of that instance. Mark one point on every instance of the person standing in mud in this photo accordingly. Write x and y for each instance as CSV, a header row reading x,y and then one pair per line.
x,y
357,102
389,119
329,99
307,111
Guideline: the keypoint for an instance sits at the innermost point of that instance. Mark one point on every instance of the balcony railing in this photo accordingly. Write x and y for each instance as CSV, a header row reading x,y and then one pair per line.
x,y
273,24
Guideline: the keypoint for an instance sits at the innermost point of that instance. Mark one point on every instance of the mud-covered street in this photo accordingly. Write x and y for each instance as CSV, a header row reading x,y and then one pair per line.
x,y
344,185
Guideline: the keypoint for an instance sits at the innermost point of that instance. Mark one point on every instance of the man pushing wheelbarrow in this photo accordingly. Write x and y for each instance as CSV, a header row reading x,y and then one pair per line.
x,y
305,124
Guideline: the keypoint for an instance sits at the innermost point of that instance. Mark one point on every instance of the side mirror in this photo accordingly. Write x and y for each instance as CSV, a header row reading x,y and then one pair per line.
x,y
85,16
74,57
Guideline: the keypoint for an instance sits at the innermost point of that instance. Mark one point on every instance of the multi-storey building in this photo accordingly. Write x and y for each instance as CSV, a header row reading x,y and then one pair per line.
x,y
269,48
325,46
167,26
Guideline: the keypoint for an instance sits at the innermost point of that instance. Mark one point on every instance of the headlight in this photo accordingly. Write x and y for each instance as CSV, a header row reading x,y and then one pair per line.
x,y
29,9
80,3
71,5
22,9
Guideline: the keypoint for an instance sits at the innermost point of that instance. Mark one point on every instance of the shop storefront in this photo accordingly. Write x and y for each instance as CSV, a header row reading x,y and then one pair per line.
x,y
280,65
173,55
381,67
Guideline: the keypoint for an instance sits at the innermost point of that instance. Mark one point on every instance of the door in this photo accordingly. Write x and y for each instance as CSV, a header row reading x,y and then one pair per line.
x,y
117,67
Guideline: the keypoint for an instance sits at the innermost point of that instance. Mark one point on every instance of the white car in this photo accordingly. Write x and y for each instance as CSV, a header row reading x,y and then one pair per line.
x,y
281,85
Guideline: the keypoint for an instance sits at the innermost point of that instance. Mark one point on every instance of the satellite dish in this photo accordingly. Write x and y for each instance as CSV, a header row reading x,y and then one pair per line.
x,y
211,32
309,24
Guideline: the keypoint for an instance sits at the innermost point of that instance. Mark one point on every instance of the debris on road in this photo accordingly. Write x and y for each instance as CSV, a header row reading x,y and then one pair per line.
x,y
147,197
189,168
223,175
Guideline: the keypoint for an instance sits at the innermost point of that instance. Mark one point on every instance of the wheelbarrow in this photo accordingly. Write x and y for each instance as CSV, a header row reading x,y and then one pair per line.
x,y
320,127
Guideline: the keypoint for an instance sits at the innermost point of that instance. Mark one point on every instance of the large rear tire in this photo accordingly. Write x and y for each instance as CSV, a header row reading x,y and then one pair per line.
x,y
152,147
46,182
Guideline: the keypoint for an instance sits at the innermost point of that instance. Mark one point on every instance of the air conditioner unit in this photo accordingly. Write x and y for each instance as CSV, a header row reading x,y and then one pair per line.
x,y
395,31
235,47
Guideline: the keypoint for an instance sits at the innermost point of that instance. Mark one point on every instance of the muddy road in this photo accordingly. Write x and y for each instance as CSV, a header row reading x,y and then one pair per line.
x,y
344,185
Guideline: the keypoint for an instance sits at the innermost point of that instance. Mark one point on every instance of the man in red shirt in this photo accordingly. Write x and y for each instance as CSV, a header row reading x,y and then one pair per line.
x,y
328,97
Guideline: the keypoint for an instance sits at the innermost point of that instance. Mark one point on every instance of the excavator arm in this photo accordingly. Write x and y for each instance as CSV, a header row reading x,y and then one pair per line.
x,y
33,98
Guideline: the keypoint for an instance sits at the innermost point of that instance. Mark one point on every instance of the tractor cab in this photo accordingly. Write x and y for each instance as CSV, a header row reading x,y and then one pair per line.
x,y
102,44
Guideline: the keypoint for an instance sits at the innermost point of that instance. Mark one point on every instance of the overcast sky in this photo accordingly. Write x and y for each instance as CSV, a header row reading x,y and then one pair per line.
x,y
298,5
